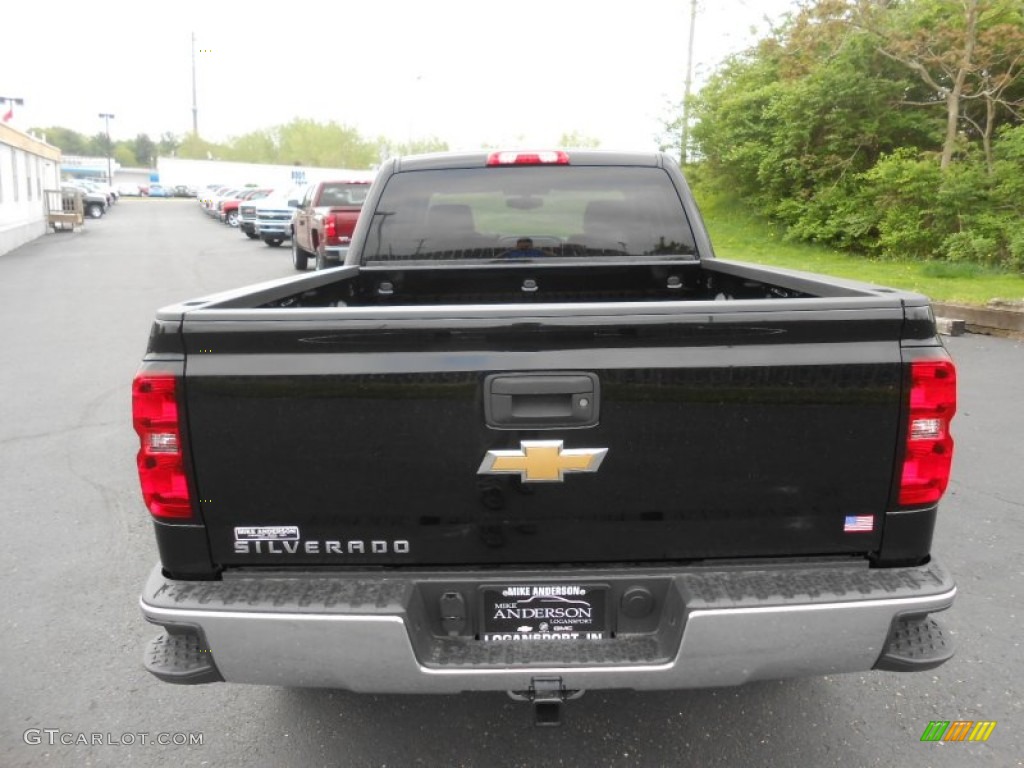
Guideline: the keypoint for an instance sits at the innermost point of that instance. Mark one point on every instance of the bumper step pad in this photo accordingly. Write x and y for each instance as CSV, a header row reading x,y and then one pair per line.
x,y
181,658
915,644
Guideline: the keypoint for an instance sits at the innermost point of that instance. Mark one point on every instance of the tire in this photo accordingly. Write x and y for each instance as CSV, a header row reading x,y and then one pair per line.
x,y
232,219
95,210
252,235
300,258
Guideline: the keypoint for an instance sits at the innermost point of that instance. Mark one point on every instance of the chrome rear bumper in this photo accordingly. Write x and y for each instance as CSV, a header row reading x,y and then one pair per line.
x,y
374,633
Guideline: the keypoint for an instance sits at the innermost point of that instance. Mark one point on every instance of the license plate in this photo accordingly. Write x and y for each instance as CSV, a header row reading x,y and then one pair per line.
x,y
545,612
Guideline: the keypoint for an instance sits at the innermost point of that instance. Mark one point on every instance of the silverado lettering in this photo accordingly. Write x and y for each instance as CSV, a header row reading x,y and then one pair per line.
x,y
773,446
270,547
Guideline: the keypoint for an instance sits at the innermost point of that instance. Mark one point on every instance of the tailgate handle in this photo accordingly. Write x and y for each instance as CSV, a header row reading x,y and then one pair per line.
x,y
541,400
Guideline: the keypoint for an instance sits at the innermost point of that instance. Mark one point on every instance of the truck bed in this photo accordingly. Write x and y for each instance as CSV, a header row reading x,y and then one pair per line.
x,y
554,281
734,410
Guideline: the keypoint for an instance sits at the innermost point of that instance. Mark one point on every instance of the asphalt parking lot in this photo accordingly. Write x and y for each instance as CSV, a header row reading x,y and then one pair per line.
x,y
75,310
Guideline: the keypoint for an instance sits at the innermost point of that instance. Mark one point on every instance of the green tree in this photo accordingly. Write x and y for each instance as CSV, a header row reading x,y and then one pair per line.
x,y
124,155
387,148
730,133
254,147
168,144
307,142
962,50
1008,190
101,145
838,124
145,150
70,142
194,147
578,140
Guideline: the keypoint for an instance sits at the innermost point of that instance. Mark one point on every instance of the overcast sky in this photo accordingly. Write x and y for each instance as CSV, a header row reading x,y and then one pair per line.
x,y
469,72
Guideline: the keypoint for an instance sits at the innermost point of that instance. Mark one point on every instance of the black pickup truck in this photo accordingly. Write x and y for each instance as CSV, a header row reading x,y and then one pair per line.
x,y
532,436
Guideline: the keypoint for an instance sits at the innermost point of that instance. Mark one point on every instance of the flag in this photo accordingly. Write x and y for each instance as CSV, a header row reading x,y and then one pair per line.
x,y
859,523
8,114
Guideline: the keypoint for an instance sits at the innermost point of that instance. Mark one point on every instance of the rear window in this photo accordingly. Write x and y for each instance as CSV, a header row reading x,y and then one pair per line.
x,y
343,194
528,213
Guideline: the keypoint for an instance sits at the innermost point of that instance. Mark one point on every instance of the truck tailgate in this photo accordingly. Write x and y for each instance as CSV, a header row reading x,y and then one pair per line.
x,y
358,437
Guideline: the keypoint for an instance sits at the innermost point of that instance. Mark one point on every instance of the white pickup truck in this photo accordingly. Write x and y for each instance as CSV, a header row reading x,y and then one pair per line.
x,y
273,215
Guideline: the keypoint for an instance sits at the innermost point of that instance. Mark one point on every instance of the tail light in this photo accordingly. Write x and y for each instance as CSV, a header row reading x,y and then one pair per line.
x,y
929,446
546,157
161,468
333,233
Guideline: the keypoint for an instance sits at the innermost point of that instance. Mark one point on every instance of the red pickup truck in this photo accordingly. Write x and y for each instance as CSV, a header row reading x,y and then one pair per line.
x,y
324,220
229,209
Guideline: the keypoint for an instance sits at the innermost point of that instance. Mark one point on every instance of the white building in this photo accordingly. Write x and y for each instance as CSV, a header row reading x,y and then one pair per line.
x,y
27,167
174,171
100,169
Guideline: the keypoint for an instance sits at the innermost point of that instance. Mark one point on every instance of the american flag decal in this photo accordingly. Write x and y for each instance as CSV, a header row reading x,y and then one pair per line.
x,y
859,523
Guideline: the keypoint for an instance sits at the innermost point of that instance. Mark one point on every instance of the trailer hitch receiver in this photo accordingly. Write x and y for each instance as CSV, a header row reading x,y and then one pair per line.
x,y
547,694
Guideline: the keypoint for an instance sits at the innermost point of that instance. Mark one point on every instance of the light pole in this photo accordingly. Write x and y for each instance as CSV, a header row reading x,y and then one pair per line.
x,y
684,139
107,117
195,106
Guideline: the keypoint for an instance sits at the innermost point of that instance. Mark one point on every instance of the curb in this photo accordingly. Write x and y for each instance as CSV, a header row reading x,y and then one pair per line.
x,y
954,319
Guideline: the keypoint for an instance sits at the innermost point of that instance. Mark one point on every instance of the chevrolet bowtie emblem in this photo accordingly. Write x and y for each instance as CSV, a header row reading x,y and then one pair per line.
x,y
542,461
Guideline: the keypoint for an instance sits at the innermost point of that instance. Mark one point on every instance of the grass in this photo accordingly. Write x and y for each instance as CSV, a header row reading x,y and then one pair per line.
x,y
738,234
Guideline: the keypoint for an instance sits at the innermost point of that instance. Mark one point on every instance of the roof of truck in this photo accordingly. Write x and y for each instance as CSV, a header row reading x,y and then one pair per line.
x,y
479,159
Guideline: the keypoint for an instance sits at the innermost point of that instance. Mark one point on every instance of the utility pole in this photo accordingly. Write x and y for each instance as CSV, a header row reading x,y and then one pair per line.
x,y
684,143
195,108
107,117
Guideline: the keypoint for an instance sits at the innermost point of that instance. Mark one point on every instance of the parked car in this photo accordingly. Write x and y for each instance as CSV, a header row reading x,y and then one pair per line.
x,y
180,190
247,211
324,221
98,188
217,206
108,189
229,208
94,203
156,190
129,190
206,193
274,216
211,205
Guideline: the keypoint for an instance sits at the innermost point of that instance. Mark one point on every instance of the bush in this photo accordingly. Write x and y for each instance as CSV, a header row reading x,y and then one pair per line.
x,y
1015,251
899,194
970,247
